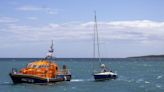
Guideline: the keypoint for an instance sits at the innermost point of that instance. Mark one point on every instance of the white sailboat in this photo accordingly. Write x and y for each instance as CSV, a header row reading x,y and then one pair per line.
x,y
104,73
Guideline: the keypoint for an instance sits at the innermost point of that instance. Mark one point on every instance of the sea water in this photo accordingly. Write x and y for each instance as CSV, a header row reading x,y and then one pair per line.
x,y
134,75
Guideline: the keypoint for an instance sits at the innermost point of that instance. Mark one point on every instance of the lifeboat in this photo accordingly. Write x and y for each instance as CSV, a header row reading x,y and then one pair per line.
x,y
41,71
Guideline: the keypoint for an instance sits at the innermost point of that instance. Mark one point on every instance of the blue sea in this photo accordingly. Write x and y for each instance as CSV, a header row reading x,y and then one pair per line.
x,y
134,75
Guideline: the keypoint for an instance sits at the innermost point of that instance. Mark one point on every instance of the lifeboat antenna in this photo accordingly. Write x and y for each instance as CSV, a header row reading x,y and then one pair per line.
x,y
50,51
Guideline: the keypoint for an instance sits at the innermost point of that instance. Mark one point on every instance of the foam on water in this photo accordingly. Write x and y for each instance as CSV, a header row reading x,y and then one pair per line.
x,y
140,80
147,82
158,85
5,83
126,79
159,77
81,80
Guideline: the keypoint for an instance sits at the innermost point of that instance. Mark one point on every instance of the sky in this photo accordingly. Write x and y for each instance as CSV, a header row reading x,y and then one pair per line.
x,y
126,28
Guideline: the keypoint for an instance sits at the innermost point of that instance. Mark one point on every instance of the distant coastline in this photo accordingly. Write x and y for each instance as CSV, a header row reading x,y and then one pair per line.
x,y
148,56
136,58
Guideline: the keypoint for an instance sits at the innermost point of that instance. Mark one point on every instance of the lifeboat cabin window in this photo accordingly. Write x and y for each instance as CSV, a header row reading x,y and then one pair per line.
x,y
29,65
43,66
32,66
56,68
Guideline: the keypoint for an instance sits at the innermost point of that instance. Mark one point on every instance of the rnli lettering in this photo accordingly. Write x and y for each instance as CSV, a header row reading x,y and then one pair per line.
x,y
27,80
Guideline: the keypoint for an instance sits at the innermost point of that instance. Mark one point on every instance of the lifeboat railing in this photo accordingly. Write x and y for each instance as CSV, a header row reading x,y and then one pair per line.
x,y
14,70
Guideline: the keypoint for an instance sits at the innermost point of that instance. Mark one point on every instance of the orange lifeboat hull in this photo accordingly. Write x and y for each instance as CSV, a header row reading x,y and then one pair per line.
x,y
42,71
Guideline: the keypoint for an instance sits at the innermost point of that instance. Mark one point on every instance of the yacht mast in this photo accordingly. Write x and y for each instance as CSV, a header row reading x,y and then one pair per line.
x,y
96,39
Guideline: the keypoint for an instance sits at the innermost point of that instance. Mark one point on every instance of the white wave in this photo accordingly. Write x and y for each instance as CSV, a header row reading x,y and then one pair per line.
x,y
158,85
77,80
80,80
139,80
4,83
159,77
147,82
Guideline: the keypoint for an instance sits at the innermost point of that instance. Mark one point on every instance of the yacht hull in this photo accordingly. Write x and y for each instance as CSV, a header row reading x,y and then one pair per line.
x,y
101,76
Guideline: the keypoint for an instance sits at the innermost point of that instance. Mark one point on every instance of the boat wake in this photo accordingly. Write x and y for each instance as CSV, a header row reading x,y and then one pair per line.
x,y
123,78
5,83
81,80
